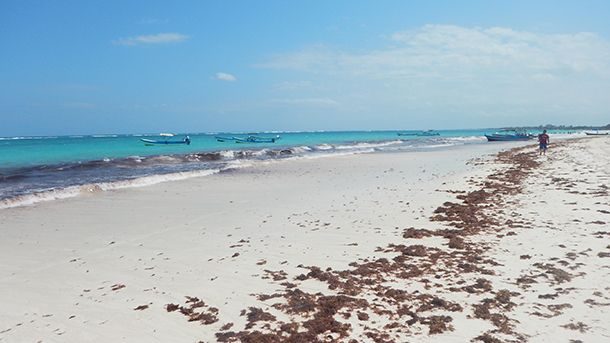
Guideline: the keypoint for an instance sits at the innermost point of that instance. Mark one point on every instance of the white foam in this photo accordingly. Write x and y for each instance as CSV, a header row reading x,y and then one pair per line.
x,y
467,139
301,149
30,199
434,146
136,158
261,152
335,154
27,137
368,145
74,191
324,147
228,154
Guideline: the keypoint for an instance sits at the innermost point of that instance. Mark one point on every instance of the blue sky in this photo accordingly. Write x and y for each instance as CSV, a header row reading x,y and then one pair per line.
x,y
69,67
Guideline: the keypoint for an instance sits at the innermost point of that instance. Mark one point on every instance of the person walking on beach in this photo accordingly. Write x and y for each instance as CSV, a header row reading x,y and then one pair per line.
x,y
543,139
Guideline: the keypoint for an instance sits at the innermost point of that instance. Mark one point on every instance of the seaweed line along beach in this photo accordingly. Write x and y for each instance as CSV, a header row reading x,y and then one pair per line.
x,y
476,242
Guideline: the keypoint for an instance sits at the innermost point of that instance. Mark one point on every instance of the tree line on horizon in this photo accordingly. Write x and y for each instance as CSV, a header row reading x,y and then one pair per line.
x,y
569,127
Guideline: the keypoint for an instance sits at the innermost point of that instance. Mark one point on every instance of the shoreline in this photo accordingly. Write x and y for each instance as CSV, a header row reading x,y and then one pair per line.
x,y
224,164
383,223
32,182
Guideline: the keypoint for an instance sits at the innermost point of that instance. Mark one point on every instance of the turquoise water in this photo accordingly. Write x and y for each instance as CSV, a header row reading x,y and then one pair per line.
x,y
34,168
18,152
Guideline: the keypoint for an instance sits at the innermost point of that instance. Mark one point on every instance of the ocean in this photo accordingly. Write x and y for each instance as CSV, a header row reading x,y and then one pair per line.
x,y
34,169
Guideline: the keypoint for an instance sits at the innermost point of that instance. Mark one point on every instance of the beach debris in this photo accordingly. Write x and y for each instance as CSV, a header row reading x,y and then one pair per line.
x,y
380,287
256,315
579,326
367,278
117,286
226,327
275,275
196,311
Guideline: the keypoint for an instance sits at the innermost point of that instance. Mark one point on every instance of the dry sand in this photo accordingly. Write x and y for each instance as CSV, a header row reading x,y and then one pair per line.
x,y
447,245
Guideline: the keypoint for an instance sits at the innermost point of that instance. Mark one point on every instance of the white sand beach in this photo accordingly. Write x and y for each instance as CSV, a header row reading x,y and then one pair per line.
x,y
441,245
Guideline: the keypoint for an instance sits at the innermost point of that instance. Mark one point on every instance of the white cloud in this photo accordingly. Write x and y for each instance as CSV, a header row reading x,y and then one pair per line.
x,y
159,38
434,70
225,77
451,48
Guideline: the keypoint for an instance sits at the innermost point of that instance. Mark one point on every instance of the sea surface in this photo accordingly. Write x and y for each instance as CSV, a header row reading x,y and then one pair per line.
x,y
34,169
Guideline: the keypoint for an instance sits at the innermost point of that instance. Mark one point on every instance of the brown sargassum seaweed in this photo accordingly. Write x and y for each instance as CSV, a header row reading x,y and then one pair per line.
x,y
370,291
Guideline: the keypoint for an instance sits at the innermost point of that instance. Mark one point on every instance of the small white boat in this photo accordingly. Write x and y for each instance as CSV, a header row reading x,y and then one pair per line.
x,y
167,140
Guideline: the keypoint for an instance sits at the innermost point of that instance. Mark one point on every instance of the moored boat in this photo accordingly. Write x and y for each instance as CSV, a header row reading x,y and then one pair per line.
x,y
509,135
248,139
596,133
428,133
167,139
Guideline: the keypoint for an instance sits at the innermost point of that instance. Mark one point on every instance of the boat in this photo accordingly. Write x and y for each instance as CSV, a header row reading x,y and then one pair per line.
x,y
224,139
256,139
167,139
420,133
596,133
248,139
508,135
428,133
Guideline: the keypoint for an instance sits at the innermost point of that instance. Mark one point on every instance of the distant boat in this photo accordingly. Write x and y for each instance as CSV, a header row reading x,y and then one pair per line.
x,y
596,133
510,135
428,133
420,133
167,139
248,139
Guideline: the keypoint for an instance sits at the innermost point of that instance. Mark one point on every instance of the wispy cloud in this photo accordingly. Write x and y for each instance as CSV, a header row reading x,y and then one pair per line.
x,y
225,77
439,69
159,38
292,85
448,47
315,102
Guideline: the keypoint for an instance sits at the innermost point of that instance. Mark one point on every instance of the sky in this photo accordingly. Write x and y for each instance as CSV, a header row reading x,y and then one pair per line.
x,y
85,67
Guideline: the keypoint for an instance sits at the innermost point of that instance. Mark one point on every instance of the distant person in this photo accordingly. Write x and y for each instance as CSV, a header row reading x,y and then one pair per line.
x,y
543,139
